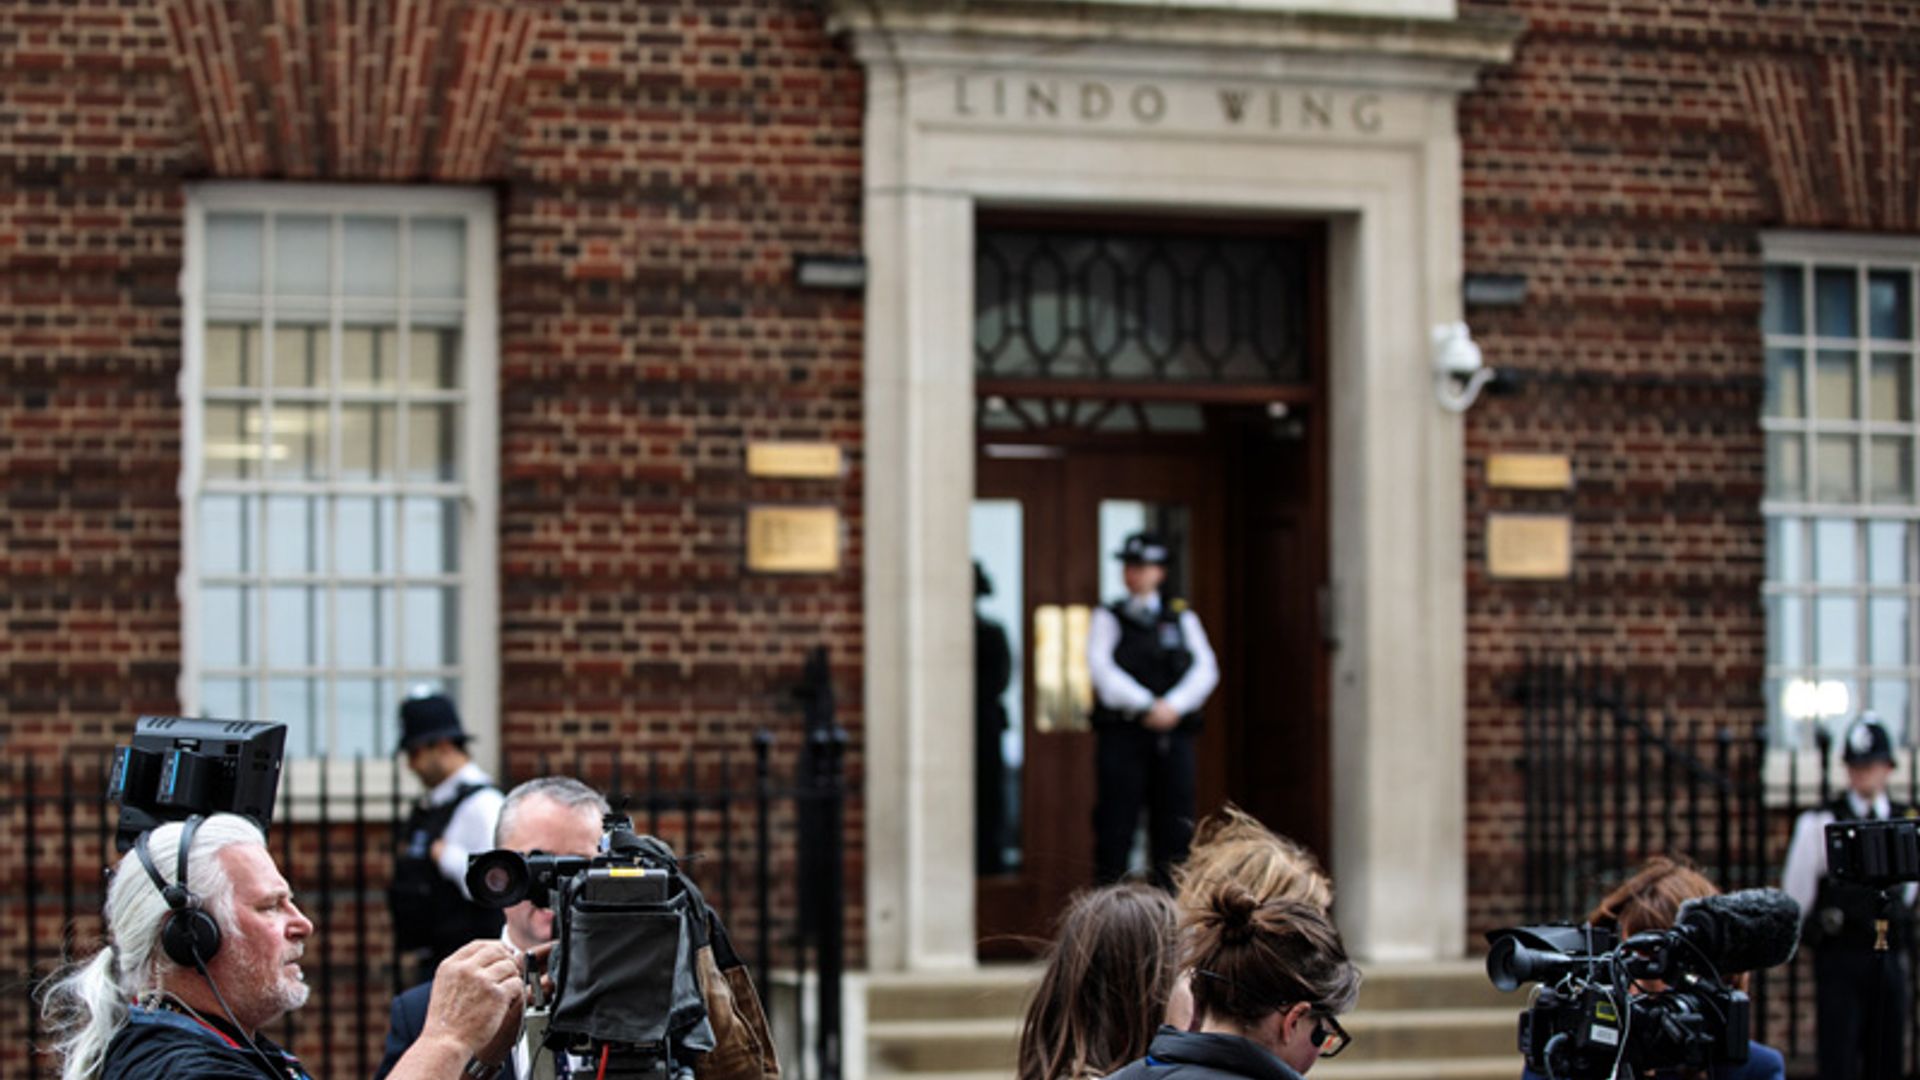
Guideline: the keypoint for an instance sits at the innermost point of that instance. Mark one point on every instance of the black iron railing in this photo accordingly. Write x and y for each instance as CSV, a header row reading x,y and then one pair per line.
x,y
1609,781
758,827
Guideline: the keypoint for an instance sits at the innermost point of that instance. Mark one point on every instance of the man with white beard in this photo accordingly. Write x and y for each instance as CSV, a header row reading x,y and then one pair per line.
x,y
204,949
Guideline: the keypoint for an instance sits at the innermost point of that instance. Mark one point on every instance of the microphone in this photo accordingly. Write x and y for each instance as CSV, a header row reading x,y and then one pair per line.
x,y
1742,931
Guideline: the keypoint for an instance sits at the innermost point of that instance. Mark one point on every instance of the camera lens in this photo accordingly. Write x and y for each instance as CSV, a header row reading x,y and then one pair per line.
x,y
498,878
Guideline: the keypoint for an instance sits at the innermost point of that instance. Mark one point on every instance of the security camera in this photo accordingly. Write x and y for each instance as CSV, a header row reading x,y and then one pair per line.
x,y
1459,373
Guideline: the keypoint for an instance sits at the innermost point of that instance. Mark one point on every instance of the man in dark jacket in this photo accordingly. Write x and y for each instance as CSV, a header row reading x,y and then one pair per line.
x,y
432,914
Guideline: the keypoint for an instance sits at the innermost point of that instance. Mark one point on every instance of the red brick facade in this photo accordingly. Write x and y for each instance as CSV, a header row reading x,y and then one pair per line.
x,y
1627,164
657,167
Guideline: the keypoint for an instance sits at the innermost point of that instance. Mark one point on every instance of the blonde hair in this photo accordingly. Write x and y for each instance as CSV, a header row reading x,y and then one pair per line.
x,y
1233,847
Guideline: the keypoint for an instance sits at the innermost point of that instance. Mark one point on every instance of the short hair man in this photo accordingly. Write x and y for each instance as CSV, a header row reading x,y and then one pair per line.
x,y
1862,994
554,814
203,954
432,913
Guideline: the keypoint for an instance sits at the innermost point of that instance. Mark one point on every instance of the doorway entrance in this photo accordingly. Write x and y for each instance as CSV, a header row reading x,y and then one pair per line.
x,y
1223,454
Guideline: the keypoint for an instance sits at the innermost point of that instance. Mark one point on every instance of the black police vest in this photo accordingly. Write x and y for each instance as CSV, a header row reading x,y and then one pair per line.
x,y
1153,650
430,912
1844,912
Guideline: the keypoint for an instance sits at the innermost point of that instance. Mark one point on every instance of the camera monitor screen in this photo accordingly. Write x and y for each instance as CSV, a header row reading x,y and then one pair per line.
x,y
179,766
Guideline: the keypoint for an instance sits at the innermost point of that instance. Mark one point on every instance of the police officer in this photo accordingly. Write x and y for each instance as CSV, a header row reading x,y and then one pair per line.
x,y
1862,993
432,913
1152,670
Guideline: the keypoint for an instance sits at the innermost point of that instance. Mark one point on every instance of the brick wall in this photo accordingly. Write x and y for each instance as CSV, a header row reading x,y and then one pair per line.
x,y
1626,164
658,166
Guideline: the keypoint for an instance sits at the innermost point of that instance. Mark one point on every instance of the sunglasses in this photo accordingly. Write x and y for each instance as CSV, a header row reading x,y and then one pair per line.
x,y
1328,1035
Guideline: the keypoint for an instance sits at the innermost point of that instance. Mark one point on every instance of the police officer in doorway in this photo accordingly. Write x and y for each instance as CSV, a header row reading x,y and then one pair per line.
x,y
432,914
1152,670
1862,993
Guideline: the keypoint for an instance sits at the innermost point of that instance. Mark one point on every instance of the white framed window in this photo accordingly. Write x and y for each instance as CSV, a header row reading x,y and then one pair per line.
x,y
338,491
1843,518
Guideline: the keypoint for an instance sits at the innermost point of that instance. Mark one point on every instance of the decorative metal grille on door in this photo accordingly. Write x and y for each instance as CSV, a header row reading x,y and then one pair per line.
x,y
1081,304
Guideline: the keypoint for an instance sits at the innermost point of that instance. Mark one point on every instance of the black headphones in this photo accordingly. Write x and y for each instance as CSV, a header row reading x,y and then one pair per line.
x,y
190,935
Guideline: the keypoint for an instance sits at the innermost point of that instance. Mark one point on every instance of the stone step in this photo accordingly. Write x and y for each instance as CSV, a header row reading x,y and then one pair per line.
x,y
1451,984
942,1046
993,991
1430,1034
1503,1067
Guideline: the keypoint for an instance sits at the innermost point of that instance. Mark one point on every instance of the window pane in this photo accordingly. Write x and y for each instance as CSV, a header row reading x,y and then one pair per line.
x,y
368,435
232,443
1892,464
299,448
1834,559
227,534
371,263
1836,631
295,702
433,442
295,622
368,358
1892,701
1784,313
1786,550
226,626
1888,553
432,627
439,258
234,253
226,699
365,627
1890,387
1786,466
433,358
300,360
1836,469
295,542
1787,631
300,259
1889,305
1785,391
359,719
363,526
1835,309
232,360
1887,622
1833,386
433,537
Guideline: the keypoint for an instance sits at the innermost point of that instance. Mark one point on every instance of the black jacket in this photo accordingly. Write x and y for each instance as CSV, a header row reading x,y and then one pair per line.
x,y
1193,1056
409,1015
160,1045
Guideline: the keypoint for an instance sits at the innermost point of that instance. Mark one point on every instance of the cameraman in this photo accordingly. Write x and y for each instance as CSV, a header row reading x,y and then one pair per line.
x,y
1650,900
1862,994
555,814
191,1002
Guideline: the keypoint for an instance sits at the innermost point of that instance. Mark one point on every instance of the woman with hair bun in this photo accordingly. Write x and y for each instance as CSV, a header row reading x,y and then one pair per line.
x,y
1105,988
1270,980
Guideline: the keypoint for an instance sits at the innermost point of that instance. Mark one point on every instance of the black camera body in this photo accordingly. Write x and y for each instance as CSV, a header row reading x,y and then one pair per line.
x,y
1658,1000
1877,854
627,926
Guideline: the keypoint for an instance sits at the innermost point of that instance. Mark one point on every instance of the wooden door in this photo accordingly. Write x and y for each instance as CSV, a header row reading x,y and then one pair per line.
x,y
1070,508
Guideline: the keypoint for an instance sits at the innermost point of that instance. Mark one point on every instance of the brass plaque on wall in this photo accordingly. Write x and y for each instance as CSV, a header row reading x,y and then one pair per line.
x,y
793,539
1535,547
800,460
1539,472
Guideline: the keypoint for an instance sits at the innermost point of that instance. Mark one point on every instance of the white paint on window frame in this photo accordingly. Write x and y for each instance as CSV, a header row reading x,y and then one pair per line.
x,y
478,484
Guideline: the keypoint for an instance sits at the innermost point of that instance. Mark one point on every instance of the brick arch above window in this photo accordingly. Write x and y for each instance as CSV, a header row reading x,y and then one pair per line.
x,y
1841,136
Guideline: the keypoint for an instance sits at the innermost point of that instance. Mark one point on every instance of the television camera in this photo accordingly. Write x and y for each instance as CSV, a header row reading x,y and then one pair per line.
x,y
1660,999
628,924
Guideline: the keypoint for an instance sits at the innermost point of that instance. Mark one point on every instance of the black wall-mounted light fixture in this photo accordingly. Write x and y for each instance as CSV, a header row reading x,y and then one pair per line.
x,y
830,271
1494,290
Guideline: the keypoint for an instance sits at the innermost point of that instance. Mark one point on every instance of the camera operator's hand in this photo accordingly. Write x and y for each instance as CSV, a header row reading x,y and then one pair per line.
x,y
1160,717
478,994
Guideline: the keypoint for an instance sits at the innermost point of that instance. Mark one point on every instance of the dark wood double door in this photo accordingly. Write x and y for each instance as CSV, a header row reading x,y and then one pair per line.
x,y
1240,502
